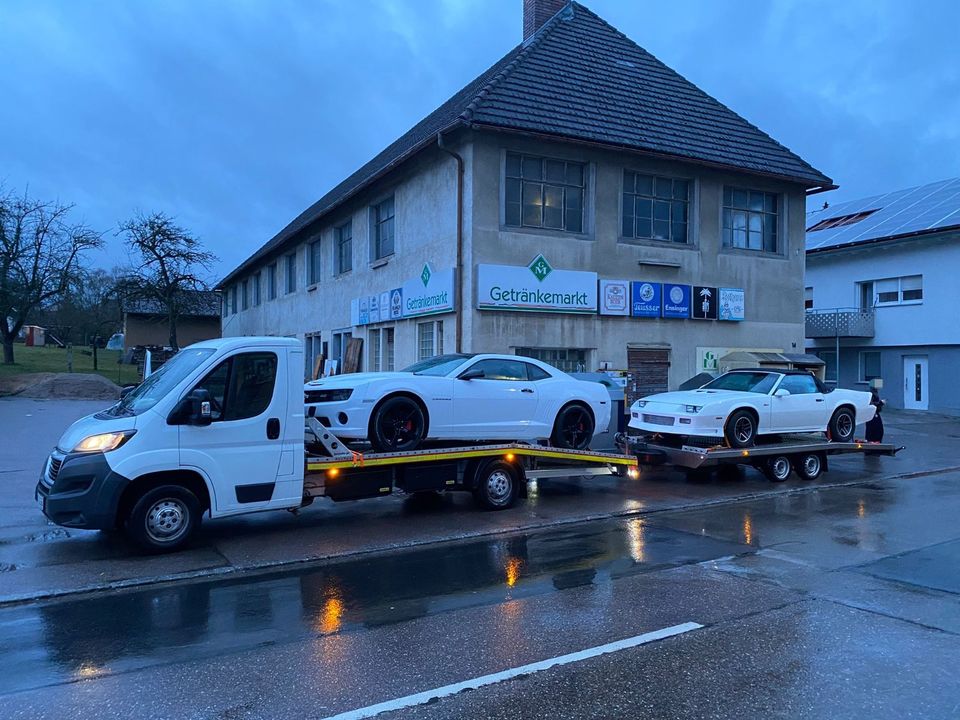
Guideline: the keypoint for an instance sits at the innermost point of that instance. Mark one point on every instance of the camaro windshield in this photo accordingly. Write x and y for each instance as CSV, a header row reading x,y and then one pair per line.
x,y
439,365
150,391
744,382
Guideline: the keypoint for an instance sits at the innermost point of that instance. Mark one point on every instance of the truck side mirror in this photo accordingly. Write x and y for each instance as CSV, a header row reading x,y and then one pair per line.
x,y
200,410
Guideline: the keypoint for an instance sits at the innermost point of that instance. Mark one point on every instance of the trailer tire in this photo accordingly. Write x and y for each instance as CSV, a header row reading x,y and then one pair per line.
x,y
741,429
163,519
843,425
496,485
809,466
778,468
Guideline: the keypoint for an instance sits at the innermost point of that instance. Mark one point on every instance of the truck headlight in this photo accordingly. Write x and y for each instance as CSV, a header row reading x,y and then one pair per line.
x,y
692,409
104,442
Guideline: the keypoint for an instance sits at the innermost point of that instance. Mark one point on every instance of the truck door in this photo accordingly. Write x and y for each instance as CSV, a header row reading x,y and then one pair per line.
x,y
240,450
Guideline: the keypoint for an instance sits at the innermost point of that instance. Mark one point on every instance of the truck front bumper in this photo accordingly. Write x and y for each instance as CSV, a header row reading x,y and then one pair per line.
x,y
79,490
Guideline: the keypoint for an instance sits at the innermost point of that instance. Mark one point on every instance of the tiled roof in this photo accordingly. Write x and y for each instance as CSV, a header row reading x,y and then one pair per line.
x,y
914,211
202,303
580,78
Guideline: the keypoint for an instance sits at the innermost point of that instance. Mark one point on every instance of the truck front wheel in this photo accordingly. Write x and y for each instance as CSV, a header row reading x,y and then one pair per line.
x,y
163,519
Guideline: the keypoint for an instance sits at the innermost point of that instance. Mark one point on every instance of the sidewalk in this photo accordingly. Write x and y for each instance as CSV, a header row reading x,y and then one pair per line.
x,y
38,559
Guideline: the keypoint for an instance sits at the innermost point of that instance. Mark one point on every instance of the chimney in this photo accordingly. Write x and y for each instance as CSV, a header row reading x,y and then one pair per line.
x,y
536,13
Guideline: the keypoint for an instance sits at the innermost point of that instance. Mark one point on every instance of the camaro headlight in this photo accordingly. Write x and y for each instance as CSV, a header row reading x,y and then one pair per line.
x,y
641,403
104,442
692,409
319,396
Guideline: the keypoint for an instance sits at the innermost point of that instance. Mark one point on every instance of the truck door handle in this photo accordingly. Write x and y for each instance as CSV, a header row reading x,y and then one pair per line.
x,y
819,399
526,390
273,428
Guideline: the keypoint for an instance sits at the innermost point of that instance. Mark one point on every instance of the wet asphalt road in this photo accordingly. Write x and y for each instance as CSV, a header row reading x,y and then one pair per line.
x,y
839,602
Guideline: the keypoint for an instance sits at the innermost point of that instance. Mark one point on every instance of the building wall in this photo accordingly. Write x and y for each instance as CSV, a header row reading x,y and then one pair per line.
x,y
154,330
773,283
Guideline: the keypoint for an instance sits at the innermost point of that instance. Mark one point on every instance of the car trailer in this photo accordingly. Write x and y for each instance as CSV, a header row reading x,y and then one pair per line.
x,y
496,474
805,455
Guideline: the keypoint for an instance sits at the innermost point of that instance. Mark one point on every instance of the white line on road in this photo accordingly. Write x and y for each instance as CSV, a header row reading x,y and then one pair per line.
x,y
422,698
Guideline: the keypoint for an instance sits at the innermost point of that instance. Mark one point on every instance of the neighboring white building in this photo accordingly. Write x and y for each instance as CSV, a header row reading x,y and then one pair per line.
x,y
882,286
578,202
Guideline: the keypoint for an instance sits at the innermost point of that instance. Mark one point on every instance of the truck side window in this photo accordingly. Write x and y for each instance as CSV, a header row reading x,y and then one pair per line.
x,y
241,386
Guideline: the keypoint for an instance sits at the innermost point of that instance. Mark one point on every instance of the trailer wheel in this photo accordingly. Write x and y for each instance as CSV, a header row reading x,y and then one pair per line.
x,y
497,485
163,519
778,468
810,466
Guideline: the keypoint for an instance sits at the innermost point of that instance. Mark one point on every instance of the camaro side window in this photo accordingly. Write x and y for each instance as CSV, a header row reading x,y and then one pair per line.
x,y
799,384
241,386
502,369
535,373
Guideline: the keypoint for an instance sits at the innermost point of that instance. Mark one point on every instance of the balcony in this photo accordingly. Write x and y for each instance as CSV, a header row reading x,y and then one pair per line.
x,y
839,322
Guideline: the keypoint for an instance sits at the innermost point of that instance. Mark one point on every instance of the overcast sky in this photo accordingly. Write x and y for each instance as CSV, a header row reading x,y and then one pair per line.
x,y
235,115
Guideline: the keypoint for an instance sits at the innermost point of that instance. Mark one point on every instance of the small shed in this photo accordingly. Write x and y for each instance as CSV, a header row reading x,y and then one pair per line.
x,y
772,361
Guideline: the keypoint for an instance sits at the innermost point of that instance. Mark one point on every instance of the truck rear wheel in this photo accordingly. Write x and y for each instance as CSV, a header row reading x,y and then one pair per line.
x,y
163,519
497,485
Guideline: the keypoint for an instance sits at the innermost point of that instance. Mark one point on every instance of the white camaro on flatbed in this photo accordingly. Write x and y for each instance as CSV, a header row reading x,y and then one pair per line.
x,y
743,404
461,397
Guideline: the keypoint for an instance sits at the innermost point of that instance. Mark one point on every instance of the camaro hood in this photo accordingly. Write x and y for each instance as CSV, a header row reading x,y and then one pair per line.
x,y
698,397
352,380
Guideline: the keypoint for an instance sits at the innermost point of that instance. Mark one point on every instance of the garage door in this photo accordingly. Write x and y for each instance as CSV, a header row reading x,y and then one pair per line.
x,y
647,371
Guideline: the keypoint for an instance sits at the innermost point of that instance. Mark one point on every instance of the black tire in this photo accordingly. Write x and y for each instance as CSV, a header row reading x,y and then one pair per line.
x,y
398,424
843,425
497,485
741,429
163,519
809,466
778,468
573,428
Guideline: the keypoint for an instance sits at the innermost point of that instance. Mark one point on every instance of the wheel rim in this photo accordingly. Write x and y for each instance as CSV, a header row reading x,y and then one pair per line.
x,y
780,468
400,425
499,485
167,520
811,465
576,425
844,424
743,429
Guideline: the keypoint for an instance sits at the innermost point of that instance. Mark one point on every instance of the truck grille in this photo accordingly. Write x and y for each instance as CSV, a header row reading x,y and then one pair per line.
x,y
53,469
658,419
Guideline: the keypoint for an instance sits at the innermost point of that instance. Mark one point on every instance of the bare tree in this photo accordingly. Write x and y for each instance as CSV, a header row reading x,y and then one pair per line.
x,y
40,251
169,267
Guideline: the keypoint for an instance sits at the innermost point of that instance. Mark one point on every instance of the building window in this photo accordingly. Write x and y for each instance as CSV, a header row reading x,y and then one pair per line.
x,y
906,290
566,359
388,352
869,365
255,280
344,235
313,351
808,298
829,358
244,295
750,219
543,193
315,250
374,338
291,272
429,339
272,281
233,299
654,208
383,229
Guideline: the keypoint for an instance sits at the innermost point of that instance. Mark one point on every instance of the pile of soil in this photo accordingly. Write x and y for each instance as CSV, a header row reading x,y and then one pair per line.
x,y
70,386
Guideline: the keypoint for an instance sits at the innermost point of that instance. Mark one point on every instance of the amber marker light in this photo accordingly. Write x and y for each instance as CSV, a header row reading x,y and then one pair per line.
x,y
333,472
745,453
510,457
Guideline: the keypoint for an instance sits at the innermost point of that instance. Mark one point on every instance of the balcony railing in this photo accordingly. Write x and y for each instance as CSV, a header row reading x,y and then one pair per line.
x,y
839,322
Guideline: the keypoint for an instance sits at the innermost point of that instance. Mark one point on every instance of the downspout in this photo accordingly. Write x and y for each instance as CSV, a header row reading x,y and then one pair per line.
x,y
458,271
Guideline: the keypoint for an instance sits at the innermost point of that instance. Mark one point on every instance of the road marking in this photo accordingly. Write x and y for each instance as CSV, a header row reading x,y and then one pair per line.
x,y
422,698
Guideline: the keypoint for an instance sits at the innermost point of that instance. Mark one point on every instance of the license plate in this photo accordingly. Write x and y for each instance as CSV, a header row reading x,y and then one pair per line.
x,y
42,502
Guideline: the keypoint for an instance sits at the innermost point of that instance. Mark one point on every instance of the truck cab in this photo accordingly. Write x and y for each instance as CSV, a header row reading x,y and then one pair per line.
x,y
217,430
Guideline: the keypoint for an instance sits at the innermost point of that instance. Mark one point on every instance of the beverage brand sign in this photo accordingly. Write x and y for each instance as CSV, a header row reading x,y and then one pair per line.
x,y
646,299
537,287
676,301
429,293
731,304
614,297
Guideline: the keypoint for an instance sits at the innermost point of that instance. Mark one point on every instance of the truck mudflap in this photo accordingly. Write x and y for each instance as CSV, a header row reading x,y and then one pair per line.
x,y
80,490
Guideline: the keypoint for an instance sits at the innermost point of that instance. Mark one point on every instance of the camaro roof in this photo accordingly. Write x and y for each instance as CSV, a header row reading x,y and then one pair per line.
x,y
771,371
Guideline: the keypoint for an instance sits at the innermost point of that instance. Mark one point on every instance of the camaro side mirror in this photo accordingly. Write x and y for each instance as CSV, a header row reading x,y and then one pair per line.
x,y
781,393
472,374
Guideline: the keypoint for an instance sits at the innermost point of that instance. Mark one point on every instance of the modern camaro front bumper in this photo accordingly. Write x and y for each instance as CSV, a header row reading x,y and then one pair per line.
x,y
80,490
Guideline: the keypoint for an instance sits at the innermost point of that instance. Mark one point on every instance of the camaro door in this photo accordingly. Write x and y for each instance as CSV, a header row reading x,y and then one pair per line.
x,y
803,410
493,399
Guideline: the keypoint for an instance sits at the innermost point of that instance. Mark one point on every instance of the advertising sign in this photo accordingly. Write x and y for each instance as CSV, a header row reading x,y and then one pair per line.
x,y
384,306
676,301
704,303
364,311
396,304
430,293
373,309
731,304
614,297
537,287
646,299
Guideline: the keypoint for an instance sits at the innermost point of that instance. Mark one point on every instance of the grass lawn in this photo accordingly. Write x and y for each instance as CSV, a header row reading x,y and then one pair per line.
x,y
53,359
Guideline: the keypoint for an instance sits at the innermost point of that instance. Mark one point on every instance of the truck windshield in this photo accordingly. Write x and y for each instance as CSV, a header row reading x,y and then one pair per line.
x,y
154,388
758,382
438,365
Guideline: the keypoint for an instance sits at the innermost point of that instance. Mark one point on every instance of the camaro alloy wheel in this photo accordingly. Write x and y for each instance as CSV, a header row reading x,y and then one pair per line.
x,y
573,428
398,425
741,429
842,425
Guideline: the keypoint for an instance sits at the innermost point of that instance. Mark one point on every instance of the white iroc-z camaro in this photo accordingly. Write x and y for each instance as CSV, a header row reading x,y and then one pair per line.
x,y
461,397
742,404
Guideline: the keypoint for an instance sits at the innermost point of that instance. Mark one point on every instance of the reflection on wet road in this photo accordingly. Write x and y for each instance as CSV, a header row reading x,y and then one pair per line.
x,y
68,640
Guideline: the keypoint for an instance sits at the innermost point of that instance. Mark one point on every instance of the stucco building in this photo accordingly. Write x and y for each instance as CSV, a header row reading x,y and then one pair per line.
x,y
145,322
579,202
881,277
